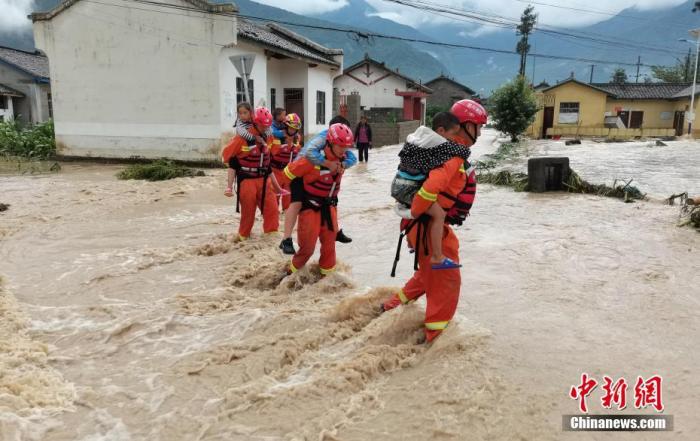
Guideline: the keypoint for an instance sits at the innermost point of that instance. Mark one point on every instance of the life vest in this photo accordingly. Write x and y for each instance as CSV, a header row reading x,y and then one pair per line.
x,y
322,191
256,163
463,202
285,154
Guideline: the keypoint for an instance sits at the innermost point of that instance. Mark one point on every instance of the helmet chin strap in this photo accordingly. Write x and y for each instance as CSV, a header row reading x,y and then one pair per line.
x,y
464,126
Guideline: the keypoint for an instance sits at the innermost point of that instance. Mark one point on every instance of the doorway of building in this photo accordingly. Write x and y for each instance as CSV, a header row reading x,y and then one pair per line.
x,y
548,122
679,122
294,102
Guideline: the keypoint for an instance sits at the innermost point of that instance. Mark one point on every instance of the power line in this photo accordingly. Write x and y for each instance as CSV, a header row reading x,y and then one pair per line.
x,y
504,22
592,11
358,33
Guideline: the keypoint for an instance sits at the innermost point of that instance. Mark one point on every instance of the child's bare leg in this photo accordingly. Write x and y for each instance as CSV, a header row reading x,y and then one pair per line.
x,y
437,214
229,183
290,218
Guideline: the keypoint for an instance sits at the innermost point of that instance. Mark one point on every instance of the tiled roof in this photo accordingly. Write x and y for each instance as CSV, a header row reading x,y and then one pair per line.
x,y
643,91
32,63
286,41
7,90
432,82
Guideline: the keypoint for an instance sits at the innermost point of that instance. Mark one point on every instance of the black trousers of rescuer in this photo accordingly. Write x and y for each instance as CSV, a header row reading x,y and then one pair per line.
x,y
363,151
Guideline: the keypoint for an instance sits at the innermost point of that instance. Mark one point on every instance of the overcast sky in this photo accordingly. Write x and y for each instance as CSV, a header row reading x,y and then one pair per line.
x,y
13,13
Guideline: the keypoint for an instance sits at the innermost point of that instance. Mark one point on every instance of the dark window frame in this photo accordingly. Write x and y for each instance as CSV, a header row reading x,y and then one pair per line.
x,y
240,91
273,98
570,107
320,107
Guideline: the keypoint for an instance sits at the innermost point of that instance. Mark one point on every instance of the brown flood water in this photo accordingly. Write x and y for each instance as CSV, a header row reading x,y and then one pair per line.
x,y
128,313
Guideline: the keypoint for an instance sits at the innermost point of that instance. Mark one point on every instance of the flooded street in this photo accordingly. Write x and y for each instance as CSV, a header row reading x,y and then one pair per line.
x,y
127,311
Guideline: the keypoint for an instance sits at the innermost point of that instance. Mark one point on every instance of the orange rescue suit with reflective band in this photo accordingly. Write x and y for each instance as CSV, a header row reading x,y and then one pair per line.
x,y
320,186
250,154
450,178
284,154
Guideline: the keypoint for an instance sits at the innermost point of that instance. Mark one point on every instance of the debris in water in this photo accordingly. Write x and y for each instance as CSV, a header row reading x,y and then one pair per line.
x,y
4,207
160,170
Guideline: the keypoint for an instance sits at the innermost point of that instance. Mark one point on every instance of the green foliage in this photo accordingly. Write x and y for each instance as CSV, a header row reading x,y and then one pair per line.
x,y
527,24
31,142
619,76
159,170
513,107
627,192
681,72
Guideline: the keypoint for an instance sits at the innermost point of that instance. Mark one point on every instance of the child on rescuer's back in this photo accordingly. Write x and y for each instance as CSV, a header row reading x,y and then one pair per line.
x,y
243,125
423,151
313,150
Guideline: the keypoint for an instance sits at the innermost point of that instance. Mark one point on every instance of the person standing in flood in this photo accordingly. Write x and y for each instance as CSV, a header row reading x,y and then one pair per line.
x,y
257,187
447,185
363,138
318,219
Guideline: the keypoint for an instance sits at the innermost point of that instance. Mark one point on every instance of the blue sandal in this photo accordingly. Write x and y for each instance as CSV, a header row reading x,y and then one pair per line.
x,y
446,264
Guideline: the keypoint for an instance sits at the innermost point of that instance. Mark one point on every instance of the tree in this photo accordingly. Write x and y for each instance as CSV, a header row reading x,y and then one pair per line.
x,y
513,107
681,72
619,77
524,29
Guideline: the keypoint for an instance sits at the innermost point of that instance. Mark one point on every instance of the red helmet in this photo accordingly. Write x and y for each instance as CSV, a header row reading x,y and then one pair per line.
x,y
293,121
469,111
340,134
262,117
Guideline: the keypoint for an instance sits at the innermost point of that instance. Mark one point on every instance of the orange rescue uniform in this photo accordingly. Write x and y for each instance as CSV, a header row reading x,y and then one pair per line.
x,y
251,174
318,218
283,155
441,287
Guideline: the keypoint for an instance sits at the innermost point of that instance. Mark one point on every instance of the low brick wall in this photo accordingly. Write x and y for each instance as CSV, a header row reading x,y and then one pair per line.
x,y
392,133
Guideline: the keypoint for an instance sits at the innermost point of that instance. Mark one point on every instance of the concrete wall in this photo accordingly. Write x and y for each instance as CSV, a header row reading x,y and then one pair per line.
x,y
130,82
33,107
380,94
445,93
391,134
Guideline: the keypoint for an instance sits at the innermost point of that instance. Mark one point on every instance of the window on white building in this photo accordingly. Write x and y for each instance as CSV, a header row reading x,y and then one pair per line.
x,y
320,107
273,98
240,91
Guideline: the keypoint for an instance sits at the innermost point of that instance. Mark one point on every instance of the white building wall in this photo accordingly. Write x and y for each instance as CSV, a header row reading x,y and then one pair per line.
x,y
227,81
130,82
320,79
380,94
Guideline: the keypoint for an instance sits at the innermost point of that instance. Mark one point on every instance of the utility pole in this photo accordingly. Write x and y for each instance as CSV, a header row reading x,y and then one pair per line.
x,y
592,68
687,67
639,62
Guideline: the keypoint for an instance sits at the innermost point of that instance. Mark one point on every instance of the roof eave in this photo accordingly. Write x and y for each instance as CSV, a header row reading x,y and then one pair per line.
x,y
65,4
34,76
285,52
303,40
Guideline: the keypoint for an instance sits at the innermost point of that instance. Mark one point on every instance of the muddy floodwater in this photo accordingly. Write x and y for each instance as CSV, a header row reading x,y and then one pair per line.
x,y
127,311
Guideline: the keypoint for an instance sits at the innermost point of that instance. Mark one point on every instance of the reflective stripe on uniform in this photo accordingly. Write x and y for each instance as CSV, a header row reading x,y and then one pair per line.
x,y
245,148
428,196
291,268
242,238
327,271
402,297
436,326
289,174
276,141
